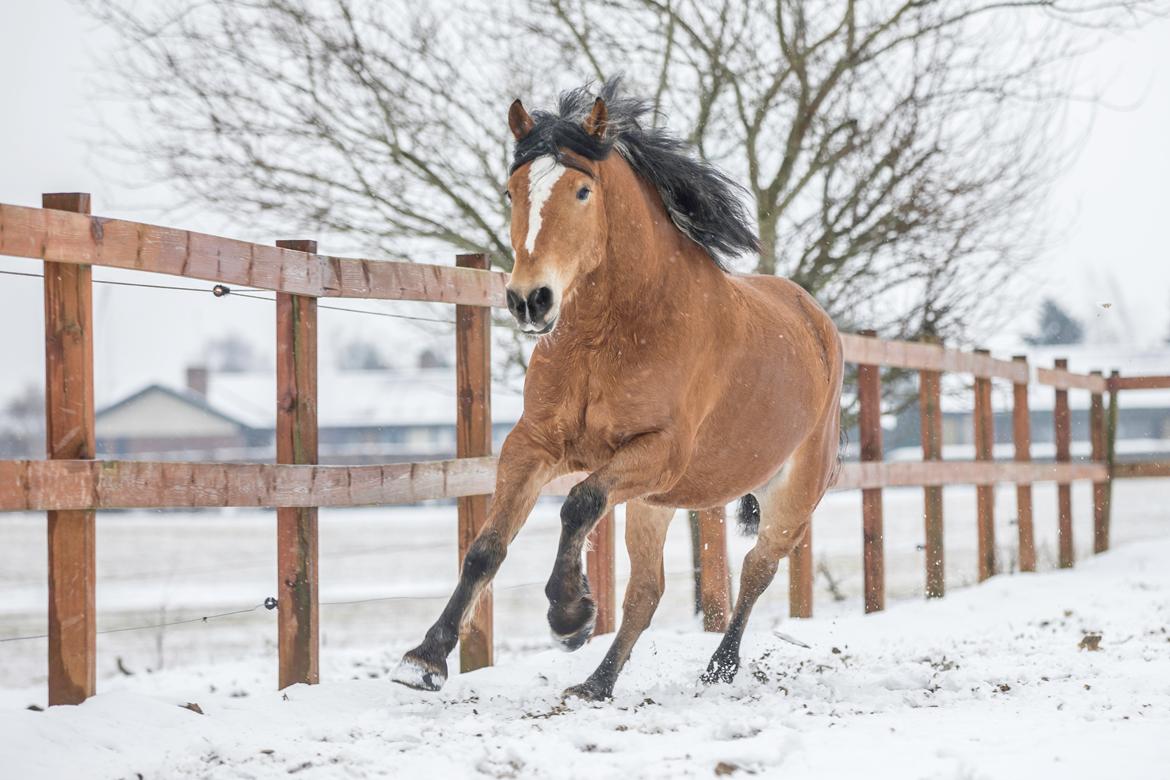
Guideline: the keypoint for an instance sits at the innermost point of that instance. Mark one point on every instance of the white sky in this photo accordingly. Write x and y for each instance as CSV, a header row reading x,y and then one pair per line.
x,y
1108,212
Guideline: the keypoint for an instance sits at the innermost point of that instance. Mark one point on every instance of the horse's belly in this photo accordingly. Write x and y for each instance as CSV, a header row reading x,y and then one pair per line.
x,y
733,456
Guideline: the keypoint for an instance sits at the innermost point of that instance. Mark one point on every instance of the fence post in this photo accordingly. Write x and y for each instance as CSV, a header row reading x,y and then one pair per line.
x,y
985,493
1097,437
800,577
69,427
930,412
1110,452
1022,436
714,577
1060,421
599,567
298,626
869,394
473,438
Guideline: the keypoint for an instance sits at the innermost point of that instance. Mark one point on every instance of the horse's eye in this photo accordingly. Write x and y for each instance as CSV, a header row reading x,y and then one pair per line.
x,y
508,195
583,193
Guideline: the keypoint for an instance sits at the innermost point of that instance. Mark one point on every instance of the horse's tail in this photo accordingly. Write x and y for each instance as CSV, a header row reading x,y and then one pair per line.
x,y
748,515
748,512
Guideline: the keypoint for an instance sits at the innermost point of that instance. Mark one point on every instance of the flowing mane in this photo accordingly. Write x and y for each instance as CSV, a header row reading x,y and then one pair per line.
x,y
702,202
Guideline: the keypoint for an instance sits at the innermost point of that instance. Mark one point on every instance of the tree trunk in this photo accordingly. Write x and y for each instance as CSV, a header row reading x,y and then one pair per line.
x,y
767,262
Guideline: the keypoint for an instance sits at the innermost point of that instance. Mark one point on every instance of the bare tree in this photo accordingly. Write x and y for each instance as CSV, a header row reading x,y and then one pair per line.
x,y
894,153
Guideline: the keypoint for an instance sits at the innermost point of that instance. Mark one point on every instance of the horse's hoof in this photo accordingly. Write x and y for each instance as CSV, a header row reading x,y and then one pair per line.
x,y
571,639
587,691
415,672
719,672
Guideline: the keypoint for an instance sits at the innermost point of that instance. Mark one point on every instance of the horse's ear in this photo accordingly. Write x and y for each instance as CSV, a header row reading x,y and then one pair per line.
x,y
595,122
519,121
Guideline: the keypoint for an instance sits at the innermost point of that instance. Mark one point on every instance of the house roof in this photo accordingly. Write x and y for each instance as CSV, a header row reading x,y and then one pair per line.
x,y
129,416
348,399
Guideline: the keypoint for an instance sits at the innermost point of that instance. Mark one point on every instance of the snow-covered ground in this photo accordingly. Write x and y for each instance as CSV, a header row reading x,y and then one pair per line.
x,y
989,682
995,681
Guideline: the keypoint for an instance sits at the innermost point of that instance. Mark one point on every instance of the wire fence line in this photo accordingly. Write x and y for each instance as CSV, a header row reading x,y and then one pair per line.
x,y
271,603
224,291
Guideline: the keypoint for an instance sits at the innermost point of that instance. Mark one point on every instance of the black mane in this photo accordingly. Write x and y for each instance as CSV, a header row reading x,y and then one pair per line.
x,y
703,203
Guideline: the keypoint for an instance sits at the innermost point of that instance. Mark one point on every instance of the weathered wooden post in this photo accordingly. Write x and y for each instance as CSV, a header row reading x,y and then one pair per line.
x,y
1022,436
985,491
69,428
930,412
869,394
599,568
1097,437
1060,421
298,625
714,577
473,438
800,577
1110,450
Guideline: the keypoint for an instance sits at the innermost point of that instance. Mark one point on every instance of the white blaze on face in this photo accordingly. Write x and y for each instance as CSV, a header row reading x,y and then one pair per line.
x,y
543,175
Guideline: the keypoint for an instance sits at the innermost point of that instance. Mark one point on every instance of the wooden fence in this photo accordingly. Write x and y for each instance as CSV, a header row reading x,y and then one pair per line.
x,y
70,485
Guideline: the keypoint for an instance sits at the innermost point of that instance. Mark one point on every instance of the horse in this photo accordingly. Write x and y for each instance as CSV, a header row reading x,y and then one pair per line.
x,y
674,382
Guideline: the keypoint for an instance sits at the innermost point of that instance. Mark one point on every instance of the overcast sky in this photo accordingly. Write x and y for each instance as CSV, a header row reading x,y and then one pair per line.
x,y
1107,215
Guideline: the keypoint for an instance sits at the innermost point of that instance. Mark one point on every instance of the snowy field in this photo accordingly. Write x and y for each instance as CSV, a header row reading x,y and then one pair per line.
x,y
989,682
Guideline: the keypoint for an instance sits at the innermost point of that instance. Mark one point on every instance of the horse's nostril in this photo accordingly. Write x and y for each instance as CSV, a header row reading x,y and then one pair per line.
x,y
539,302
515,303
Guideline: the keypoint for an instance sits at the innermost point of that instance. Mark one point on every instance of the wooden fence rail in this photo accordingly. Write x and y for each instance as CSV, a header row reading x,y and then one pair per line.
x,y
70,485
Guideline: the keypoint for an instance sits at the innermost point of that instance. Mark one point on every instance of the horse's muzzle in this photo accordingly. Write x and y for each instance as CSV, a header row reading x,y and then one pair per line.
x,y
532,309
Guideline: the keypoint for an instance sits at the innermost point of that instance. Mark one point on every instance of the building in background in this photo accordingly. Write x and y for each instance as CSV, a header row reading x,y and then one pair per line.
x,y
380,415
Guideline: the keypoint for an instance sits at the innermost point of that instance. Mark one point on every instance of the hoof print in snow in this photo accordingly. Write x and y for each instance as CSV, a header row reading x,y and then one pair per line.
x,y
725,768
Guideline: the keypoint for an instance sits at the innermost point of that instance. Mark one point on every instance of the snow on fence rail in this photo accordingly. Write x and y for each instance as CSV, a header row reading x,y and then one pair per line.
x,y
70,485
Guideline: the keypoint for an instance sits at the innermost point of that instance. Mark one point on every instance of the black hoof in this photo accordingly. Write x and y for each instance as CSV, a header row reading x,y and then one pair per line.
x,y
572,626
588,691
415,671
720,671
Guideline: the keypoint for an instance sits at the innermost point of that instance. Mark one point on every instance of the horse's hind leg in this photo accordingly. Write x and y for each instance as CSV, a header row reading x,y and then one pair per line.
x,y
645,534
786,506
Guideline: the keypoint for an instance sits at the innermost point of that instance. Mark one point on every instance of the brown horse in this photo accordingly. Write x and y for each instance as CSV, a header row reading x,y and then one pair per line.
x,y
672,381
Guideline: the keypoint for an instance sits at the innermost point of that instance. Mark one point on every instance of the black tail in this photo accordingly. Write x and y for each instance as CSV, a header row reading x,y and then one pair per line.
x,y
749,515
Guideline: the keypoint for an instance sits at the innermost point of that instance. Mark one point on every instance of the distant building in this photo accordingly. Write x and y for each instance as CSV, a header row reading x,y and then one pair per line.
x,y
372,415
158,419
363,416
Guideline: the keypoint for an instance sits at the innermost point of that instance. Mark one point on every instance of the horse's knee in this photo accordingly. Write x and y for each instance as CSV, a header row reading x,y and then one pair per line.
x,y
484,556
582,507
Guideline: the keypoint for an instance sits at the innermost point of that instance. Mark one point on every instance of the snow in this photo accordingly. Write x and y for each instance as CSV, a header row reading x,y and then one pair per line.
x,y
989,682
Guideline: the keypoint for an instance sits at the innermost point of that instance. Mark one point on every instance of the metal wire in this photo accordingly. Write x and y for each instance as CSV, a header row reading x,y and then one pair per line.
x,y
164,624
223,291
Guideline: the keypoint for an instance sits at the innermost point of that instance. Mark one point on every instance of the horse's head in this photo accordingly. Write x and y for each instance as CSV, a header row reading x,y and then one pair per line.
x,y
558,223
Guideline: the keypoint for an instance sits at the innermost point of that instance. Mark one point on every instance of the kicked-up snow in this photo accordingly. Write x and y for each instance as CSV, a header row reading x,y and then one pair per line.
x,y
1062,674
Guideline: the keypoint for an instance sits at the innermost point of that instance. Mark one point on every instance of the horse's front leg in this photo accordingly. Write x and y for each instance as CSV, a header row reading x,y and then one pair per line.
x,y
524,468
647,464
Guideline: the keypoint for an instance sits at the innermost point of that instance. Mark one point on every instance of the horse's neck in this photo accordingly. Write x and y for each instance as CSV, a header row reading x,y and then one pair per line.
x,y
649,264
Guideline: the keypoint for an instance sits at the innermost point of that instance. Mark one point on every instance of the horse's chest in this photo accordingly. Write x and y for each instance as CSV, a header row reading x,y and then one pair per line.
x,y
607,416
